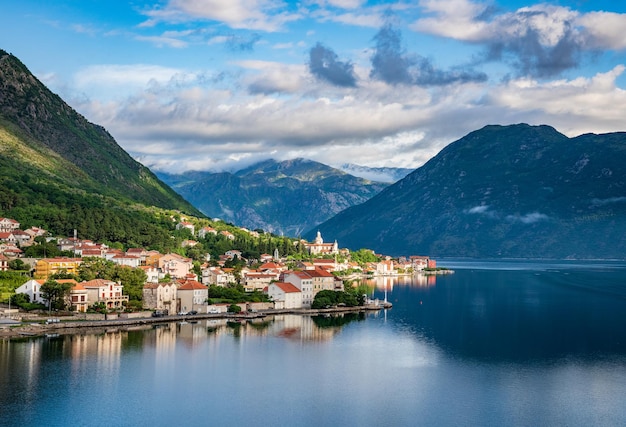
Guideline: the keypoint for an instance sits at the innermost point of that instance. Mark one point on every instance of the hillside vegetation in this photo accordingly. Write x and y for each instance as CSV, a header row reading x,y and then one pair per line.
x,y
61,172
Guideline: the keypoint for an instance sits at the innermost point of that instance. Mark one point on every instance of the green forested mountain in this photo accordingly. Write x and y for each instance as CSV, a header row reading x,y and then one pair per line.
x,y
61,172
502,191
285,197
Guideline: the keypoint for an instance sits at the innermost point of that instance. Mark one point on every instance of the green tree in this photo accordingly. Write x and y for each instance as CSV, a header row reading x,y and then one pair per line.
x,y
55,293
18,264
234,308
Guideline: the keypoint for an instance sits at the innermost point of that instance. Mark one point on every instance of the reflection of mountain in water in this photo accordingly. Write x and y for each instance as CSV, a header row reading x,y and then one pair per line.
x,y
519,315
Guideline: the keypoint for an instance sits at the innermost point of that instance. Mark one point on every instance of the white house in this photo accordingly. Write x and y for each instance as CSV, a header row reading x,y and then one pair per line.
x,y
302,281
285,295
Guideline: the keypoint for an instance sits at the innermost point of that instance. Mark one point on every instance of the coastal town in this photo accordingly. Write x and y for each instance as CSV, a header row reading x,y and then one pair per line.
x,y
174,284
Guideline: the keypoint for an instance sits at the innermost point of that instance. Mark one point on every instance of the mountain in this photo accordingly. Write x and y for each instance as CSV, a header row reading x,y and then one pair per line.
x,y
283,197
383,174
501,191
58,170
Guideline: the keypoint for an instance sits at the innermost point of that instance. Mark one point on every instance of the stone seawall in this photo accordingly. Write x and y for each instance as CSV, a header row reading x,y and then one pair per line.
x,y
67,327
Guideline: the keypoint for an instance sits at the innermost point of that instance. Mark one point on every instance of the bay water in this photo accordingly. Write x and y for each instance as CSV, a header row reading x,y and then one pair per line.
x,y
496,343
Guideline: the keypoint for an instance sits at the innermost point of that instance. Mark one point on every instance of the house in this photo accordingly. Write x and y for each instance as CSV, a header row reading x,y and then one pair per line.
x,y
4,263
11,251
177,266
420,262
7,225
202,233
266,258
23,238
32,288
228,235
184,224
302,281
322,280
48,266
160,296
35,232
140,253
8,237
188,243
152,273
127,260
217,276
78,299
152,258
384,268
284,295
191,294
107,292
272,267
258,281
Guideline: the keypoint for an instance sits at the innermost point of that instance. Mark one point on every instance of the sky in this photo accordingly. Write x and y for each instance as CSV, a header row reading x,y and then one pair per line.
x,y
221,84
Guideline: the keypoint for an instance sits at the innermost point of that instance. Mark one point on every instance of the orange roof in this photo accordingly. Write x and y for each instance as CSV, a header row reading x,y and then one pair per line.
x,y
191,285
287,287
98,283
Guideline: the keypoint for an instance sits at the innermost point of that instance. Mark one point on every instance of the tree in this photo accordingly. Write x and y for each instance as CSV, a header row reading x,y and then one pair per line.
x,y
55,293
18,264
234,308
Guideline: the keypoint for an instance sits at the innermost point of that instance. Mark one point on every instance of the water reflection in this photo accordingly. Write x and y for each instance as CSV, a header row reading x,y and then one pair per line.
x,y
519,314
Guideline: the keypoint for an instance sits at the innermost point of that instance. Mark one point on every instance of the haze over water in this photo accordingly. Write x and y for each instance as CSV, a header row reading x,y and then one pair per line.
x,y
512,343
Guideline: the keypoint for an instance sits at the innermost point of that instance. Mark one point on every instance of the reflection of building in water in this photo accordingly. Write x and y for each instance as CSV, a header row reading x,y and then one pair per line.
x,y
106,347
301,328
424,280
191,334
385,282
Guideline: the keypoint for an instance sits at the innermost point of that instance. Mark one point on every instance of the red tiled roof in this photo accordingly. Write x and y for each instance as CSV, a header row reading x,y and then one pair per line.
x,y
192,285
287,287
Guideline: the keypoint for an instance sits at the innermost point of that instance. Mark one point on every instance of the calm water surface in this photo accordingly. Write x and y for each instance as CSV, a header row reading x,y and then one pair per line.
x,y
514,343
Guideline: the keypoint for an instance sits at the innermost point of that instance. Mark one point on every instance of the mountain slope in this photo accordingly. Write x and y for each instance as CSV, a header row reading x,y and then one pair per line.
x,y
284,197
60,172
43,122
502,191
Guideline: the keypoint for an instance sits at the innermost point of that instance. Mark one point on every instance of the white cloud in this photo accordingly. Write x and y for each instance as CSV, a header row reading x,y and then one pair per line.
x,y
574,106
169,113
605,29
265,15
474,22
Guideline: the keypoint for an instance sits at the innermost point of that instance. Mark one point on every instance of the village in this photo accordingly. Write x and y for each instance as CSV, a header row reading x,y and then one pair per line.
x,y
173,285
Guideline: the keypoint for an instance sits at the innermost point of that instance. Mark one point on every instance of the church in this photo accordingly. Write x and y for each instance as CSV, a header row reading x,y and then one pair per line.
x,y
318,247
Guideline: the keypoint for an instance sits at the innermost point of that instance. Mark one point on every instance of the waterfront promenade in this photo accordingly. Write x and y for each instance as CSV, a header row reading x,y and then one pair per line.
x,y
41,327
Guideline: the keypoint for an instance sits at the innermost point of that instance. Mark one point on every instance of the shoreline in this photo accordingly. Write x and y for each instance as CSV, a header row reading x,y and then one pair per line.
x,y
36,329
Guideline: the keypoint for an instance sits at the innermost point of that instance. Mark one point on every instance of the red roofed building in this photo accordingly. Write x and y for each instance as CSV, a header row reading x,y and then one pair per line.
x,y
285,295
8,225
78,299
106,291
191,294
302,281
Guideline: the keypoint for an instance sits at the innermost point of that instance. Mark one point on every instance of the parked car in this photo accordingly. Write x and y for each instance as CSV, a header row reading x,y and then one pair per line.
x,y
182,313
158,313
192,312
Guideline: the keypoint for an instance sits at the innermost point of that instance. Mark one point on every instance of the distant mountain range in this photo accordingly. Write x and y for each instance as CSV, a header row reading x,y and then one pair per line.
x,y
61,172
285,197
501,191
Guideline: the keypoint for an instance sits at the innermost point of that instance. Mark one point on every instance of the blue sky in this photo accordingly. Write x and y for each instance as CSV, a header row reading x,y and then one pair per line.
x,y
220,84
